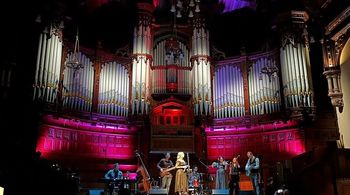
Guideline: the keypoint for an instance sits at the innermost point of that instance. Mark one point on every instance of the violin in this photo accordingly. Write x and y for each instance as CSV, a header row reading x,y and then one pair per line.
x,y
233,162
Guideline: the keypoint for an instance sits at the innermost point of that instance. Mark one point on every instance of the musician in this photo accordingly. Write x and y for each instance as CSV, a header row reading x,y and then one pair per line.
x,y
113,174
234,176
163,165
181,183
194,177
253,170
221,166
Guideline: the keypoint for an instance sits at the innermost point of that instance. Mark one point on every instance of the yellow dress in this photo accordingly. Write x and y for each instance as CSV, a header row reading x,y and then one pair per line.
x,y
181,183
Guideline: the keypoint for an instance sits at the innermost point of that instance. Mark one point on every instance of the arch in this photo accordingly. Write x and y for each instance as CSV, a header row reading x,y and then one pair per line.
x,y
343,117
171,113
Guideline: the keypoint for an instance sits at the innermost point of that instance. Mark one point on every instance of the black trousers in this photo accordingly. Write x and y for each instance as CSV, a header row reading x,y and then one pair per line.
x,y
234,184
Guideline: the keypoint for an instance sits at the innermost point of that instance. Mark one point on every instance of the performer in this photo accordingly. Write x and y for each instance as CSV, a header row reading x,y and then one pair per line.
x,y
234,176
113,174
163,165
252,170
194,177
181,185
221,165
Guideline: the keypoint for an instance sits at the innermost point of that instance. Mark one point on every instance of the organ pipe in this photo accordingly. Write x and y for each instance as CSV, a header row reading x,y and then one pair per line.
x,y
160,57
163,72
264,86
78,85
296,74
228,92
201,69
295,63
113,94
141,65
48,64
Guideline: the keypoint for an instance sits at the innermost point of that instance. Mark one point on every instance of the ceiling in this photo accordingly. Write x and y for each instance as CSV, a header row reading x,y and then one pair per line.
x,y
111,22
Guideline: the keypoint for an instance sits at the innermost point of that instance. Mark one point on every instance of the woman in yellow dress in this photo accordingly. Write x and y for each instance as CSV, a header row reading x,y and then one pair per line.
x,y
181,182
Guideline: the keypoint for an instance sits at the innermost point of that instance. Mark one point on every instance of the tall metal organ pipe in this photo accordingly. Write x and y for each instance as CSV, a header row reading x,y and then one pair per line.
x,y
179,72
296,76
264,89
113,94
201,69
78,85
141,63
228,92
295,62
48,64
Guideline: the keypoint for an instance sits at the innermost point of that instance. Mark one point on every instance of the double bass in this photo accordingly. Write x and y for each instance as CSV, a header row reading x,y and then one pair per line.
x,y
145,175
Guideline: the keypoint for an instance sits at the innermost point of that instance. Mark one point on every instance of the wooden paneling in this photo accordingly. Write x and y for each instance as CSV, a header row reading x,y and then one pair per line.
x,y
60,141
273,145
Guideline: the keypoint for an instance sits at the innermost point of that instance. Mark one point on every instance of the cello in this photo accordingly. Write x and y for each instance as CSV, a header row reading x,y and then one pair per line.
x,y
145,175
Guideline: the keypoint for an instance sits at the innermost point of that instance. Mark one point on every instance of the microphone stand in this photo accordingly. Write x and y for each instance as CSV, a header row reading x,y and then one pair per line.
x,y
207,180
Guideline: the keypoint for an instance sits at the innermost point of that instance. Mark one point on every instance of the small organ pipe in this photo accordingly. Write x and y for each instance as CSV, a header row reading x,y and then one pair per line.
x,y
48,69
300,74
52,72
118,91
43,59
58,66
295,70
46,64
289,78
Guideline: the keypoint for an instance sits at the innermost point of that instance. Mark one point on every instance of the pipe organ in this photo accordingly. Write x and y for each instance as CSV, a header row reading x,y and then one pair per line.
x,y
113,90
201,75
169,75
228,98
48,65
161,66
141,63
264,87
190,75
78,84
